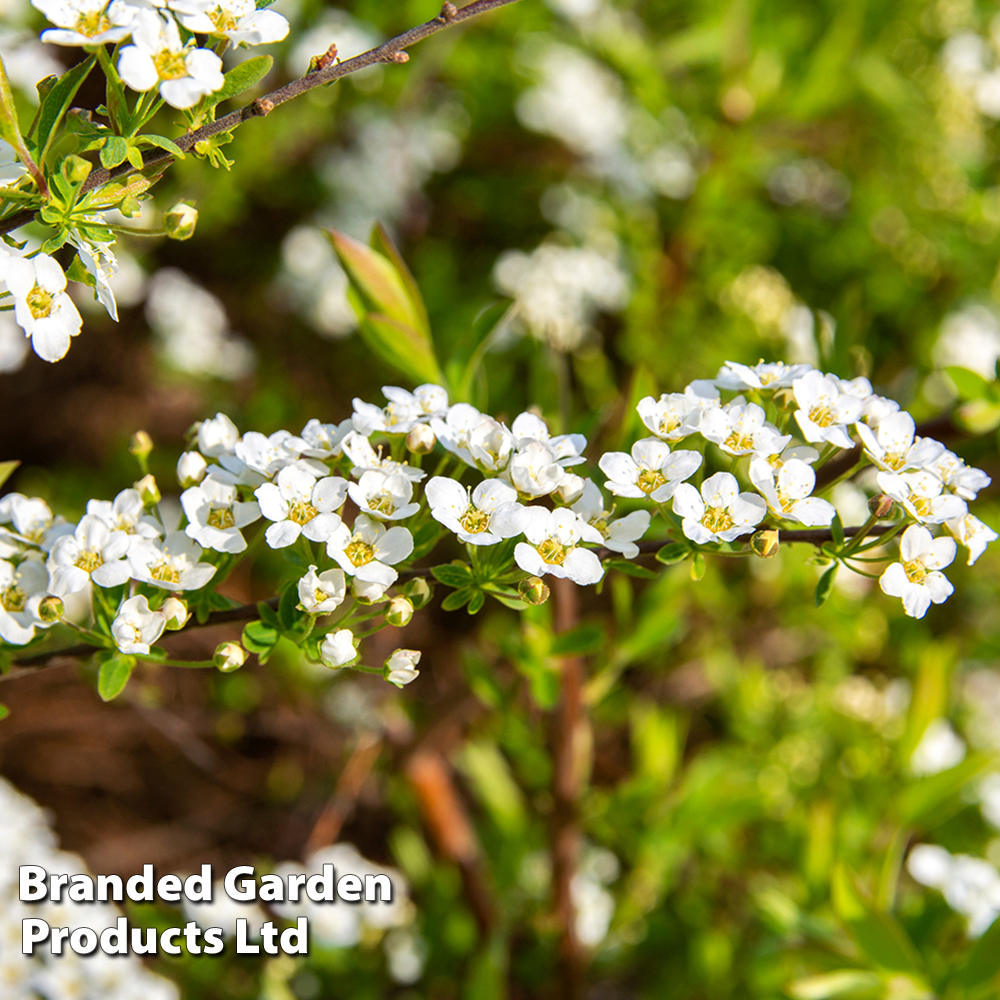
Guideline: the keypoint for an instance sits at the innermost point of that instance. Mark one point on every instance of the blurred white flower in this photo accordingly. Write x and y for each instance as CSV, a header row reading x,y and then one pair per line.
x,y
939,749
970,338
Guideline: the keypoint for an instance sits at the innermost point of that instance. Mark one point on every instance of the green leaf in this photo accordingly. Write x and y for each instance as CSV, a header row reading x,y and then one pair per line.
x,y
581,641
631,569
7,470
58,102
983,962
698,566
852,983
825,586
10,130
453,574
837,530
240,78
939,795
968,384
162,142
113,676
268,615
113,152
673,553
476,602
4,712
134,156
879,936
457,599
260,639
382,242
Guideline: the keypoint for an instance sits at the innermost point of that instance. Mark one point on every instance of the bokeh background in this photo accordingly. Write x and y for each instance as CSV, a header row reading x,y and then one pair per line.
x,y
609,198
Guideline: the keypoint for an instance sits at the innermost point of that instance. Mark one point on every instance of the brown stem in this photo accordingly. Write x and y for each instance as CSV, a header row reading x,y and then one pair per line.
x,y
571,752
392,51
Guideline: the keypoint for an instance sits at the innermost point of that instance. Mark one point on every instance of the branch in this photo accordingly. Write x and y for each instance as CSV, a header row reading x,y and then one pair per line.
x,y
392,51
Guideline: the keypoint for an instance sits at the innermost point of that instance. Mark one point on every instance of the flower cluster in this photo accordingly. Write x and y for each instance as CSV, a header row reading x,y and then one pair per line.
x,y
352,508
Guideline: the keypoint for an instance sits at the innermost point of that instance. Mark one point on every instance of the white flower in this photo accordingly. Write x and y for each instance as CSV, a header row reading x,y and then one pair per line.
x,y
763,375
740,429
258,457
960,478
370,551
973,534
158,58
126,513
470,517
11,168
216,516
491,444
893,446
321,593
401,667
826,408
136,626
217,436
325,440
298,504
454,429
384,497
673,416
21,589
535,471
237,20
788,491
92,552
426,400
191,467
86,22
553,542
720,513
621,534
41,306
650,471
366,459
567,448
916,578
33,521
337,648
877,409
923,496
171,564
102,264
939,749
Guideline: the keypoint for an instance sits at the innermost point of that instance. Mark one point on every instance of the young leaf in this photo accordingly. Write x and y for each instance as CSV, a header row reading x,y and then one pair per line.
x,y
581,641
631,569
240,78
10,130
476,602
837,531
162,142
113,676
457,599
825,586
113,152
57,103
454,574
382,242
673,552
260,639
698,566
7,470
969,384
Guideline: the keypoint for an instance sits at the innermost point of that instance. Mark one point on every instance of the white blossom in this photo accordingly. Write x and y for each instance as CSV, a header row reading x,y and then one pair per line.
x,y
490,444
215,516
826,408
369,551
973,534
567,448
157,58
126,513
191,468
916,578
553,542
620,534
961,479
650,471
41,306
86,22
172,564
100,261
765,375
673,416
401,667
258,457
741,429
454,430
365,458
719,513
22,587
299,504
386,497
940,749
217,436
535,471
338,648
321,593
788,491
325,440
923,496
894,446
469,516
237,20
136,626
92,552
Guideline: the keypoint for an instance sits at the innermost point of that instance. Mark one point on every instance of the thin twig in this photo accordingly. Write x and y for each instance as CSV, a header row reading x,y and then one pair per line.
x,y
392,51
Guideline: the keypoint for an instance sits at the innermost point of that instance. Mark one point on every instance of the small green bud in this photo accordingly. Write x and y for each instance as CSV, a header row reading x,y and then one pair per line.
x,y
419,592
765,543
179,222
176,612
148,491
399,612
51,609
880,506
141,445
421,440
229,656
533,590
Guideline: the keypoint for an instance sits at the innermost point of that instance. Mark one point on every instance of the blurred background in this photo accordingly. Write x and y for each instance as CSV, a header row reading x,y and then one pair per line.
x,y
610,198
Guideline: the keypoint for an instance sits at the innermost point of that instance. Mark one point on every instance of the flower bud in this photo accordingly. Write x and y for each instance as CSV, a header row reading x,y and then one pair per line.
x,y
148,491
765,543
141,445
399,612
401,667
229,656
176,613
880,506
191,468
179,221
419,592
571,488
338,648
421,440
50,609
534,590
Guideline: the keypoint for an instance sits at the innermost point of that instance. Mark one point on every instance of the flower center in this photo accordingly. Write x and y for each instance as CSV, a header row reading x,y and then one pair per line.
x,y
382,503
787,503
669,423
894,460
220,516
717,519
738,442
360,552
88,560
39,302
319,596
821,415
922,505
92,23
650,480
916,571
301,512
475,521
170,65
13,599
165,573
223,20
553,552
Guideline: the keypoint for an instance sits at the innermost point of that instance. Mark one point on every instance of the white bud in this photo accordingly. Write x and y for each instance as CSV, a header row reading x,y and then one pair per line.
x,y
191,468
229,656
401,667
176,613
421,440
338,648
179,221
